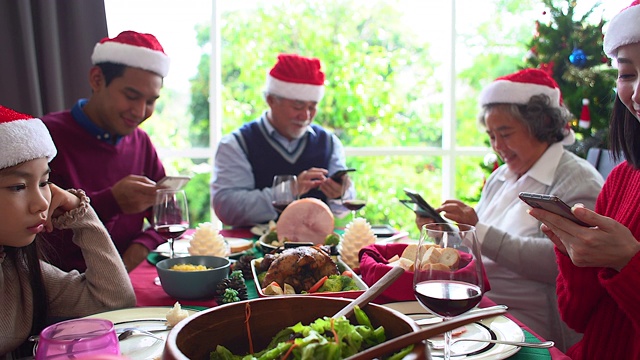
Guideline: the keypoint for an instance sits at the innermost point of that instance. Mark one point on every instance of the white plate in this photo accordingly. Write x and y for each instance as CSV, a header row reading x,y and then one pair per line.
x,y
140,347
181,247
501,326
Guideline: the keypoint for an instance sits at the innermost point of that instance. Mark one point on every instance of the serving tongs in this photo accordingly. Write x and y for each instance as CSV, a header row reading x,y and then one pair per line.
x,y
411,338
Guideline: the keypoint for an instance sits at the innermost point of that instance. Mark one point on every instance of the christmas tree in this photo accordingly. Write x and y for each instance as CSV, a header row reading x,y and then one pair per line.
x,y
570,50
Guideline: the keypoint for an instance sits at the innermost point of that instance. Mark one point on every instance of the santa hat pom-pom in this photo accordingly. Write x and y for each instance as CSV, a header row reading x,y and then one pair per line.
x,y
585,116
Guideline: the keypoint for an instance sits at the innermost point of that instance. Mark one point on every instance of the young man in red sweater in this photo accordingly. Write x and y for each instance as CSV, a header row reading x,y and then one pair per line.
x,y
102,150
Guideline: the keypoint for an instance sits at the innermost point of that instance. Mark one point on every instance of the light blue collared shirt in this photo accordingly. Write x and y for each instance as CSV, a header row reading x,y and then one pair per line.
x,y
235,199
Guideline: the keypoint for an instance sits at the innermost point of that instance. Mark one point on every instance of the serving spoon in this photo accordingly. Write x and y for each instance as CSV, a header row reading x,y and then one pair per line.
x,y
372,292
411,338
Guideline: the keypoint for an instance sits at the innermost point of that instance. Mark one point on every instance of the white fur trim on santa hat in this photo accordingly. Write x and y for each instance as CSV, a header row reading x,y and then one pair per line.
x,y
295,91
24,140
510,92
130,55
623,29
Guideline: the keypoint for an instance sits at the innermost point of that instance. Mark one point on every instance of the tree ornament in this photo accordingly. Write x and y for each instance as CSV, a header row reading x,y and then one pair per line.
x,y
491,161
578,58
585,116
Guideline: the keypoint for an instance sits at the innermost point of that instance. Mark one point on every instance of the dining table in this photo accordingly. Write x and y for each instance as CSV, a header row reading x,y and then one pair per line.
x,y
149,294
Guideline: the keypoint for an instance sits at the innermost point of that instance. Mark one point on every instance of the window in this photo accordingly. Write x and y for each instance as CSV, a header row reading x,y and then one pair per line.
x,y
402,83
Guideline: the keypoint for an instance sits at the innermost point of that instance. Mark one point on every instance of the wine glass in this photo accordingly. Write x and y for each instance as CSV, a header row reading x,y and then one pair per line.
x,y
283,191
354,204
170,215
449,276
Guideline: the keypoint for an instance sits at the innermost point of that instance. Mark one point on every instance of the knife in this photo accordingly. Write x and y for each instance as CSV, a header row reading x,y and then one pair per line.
x,y
149,328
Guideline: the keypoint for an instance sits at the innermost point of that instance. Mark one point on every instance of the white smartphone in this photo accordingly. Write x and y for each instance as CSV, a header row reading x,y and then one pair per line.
x,y
173,182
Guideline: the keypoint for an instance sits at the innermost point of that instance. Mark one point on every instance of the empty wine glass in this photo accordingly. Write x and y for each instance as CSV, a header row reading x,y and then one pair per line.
x,y
353,204
283,191
449,276
170,215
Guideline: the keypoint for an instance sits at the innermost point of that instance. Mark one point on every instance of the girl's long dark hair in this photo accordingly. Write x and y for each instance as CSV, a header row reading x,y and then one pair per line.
x,y
27,260
624,134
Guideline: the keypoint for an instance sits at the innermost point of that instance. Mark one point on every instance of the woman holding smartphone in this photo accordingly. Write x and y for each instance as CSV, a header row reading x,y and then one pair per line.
x,y
527,124
600,265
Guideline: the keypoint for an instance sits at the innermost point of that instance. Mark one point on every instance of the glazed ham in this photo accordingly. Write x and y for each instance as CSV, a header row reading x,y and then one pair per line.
x,y
305,220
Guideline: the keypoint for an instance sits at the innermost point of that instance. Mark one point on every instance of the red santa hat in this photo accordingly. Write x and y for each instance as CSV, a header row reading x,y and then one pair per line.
x,y
623,29
296,77
133,49
23,138
519,87
585,115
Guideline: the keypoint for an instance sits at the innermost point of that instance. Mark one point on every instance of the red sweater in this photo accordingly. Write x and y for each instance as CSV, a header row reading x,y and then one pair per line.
x,y
84,162
600,302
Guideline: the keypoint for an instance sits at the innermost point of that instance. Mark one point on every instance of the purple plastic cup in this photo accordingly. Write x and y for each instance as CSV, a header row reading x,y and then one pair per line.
x,y
77,338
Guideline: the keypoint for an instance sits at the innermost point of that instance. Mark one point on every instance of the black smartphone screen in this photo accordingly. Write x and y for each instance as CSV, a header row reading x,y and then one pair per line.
x,y
550,203
424,209
337,176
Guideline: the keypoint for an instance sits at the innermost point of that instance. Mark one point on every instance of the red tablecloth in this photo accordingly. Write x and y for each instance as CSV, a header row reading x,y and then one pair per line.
x,y
149,294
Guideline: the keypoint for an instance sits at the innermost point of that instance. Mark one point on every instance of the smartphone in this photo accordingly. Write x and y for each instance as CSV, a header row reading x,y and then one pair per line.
x,y
337,176
173,182
550,203
424,209
383,231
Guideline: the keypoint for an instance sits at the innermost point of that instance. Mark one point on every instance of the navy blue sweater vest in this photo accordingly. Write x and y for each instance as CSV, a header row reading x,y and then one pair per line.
x,y
268,158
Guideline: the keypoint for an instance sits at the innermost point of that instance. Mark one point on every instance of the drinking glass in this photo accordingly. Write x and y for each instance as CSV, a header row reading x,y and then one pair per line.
x,y
354,204
77,338
170,215
283,191
449,276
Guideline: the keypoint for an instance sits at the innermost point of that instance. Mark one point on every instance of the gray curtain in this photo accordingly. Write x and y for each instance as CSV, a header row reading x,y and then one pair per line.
x,y
45,51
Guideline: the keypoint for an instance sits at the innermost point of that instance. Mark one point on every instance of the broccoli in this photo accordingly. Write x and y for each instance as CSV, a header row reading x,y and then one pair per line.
x,y
271,237
338,283
332,284
348,283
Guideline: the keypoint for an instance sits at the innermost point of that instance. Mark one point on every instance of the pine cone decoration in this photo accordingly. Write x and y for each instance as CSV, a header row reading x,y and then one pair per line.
x,y
235,282
244,264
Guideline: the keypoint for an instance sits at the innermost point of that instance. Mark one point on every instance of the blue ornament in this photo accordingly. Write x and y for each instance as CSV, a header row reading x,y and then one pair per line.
x,y
578,58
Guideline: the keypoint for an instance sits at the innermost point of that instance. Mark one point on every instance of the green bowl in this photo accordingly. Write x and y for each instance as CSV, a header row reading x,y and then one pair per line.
x,y
193,285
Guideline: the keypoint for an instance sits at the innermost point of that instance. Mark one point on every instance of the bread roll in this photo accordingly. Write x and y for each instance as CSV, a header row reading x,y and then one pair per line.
x,y
431,256
410,252
436,267
450,257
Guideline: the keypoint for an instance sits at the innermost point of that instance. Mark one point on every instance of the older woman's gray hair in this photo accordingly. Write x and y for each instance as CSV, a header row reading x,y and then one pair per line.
x,y
545,122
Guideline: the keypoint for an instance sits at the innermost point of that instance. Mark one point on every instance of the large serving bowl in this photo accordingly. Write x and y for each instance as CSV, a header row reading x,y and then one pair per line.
x,y
193,285
199,334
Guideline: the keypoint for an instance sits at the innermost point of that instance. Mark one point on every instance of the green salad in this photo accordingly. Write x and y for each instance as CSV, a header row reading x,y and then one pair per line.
x,y
319,340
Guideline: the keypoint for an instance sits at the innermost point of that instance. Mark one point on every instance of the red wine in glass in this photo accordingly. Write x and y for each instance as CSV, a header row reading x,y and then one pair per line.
x,y
280,206
448,298
458,285
354,205
171,231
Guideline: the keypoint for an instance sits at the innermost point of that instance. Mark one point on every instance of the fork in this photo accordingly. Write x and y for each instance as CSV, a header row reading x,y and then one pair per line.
x,y
541,345
129,332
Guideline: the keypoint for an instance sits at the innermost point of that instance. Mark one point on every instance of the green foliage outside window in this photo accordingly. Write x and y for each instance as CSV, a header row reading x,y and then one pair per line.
x,y
384,89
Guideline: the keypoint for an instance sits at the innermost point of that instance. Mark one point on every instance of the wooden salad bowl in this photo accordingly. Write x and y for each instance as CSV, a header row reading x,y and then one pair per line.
x,y
199,334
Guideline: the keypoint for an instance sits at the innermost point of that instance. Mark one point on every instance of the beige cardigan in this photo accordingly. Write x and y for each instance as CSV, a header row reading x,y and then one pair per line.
x,y
105,285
